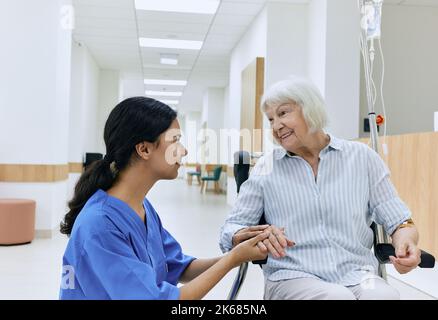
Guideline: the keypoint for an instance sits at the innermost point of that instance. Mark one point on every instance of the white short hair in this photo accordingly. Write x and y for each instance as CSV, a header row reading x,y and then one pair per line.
x,y
302,92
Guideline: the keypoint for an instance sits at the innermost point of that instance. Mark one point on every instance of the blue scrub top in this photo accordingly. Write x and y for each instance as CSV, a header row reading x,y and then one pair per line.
x,y
113,255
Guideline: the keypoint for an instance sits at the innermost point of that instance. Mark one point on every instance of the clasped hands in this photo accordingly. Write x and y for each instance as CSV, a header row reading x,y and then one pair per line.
x,y
275,244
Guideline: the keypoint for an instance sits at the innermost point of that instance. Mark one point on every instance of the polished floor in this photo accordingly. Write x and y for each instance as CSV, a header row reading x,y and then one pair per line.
x,y
33,271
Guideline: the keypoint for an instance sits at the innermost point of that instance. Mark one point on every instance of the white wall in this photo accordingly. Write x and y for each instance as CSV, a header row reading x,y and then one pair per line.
x,y
108,98
212,115
287,38
84,109
410,46
84,103
131,85
214,108
334,61
34,81
34,99
226,110
342,78
204,111
317,42
190,137
251,46
286,49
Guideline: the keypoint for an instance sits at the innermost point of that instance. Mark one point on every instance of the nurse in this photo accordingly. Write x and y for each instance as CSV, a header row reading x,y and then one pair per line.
x,y
118,248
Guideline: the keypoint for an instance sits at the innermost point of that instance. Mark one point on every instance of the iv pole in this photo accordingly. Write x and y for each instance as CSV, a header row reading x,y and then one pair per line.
x,y
380,235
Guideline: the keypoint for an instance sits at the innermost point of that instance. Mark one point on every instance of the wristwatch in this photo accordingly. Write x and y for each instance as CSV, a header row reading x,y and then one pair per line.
x,y
407,223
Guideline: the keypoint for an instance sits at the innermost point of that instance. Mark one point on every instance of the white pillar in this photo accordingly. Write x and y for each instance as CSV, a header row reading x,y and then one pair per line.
x,y
286,49
334,61
84,103
192,127
212,114
83,135
34,100
108,98
286,46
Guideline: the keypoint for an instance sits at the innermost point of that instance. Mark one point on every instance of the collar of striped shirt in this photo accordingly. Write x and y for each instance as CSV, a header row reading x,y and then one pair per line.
x,y
335,144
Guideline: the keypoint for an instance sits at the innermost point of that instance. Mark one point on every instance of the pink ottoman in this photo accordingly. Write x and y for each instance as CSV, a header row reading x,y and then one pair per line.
x,y
17,221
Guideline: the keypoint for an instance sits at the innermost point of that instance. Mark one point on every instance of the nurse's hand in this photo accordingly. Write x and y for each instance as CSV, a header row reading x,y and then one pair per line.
x,y
248,250
248,233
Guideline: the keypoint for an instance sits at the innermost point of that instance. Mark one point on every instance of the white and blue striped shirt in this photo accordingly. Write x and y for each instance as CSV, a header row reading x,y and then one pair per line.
x,y
328,218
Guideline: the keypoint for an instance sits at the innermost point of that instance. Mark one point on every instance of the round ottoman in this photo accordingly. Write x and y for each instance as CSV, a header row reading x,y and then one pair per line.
x,y
17,221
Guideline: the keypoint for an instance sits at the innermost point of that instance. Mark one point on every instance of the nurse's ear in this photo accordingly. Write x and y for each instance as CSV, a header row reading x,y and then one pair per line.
x,y
144,149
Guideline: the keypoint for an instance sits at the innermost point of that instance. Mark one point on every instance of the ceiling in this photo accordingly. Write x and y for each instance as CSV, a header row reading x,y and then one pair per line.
x,y
111,29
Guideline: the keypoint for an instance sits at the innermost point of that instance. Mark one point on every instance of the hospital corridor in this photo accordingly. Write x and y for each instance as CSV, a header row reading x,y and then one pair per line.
x,y
248,150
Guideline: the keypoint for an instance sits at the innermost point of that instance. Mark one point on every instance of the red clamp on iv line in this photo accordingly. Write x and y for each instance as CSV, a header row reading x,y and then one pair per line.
x,y
380,120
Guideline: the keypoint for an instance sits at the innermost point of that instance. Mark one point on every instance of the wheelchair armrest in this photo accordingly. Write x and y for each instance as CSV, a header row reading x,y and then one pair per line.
x,y
260,262
264,261
384,250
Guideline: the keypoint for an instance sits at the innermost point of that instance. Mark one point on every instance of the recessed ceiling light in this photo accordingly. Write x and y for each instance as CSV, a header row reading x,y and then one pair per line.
x,y
164,93
165,82
186,6
169,43
169,101
171,59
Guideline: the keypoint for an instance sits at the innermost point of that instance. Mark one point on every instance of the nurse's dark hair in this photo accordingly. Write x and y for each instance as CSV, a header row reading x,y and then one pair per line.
x,y
132,121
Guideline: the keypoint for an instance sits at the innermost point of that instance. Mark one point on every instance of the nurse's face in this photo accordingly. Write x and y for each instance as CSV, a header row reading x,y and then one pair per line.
x,y
167,157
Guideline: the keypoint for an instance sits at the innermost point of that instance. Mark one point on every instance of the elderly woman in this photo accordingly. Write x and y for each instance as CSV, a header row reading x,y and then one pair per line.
x,y
323,192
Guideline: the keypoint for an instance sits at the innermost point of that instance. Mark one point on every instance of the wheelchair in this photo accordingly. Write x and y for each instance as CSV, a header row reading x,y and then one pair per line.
x,y
382,249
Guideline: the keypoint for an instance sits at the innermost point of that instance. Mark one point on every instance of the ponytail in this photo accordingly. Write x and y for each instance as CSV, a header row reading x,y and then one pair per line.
x,y
132,121
97,176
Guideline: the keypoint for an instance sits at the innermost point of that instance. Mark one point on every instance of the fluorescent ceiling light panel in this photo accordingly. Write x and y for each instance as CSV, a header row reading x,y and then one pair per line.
x,y
170,43
169,101
186,6
168,58
165,82
164,93
171,61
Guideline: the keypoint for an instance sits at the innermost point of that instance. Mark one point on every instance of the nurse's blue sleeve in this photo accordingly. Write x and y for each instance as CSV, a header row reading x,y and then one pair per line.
x,y
176,260
108,259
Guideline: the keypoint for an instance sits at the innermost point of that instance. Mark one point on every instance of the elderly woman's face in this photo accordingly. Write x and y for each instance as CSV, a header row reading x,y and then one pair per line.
x,y
288,125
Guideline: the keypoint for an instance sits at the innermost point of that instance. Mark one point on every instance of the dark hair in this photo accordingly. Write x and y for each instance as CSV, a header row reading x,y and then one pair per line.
x,y
132,121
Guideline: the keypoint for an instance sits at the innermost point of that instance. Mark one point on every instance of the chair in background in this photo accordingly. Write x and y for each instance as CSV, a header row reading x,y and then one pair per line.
x,y
215,177
196,173
91,157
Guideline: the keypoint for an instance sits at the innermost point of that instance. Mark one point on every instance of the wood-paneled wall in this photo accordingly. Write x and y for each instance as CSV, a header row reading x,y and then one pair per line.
x,y
38,172
413,162
75,167
33,172
251,117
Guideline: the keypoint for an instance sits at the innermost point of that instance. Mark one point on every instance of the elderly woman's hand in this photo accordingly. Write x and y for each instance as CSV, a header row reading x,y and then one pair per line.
x,y
407,253
408,257
276,243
